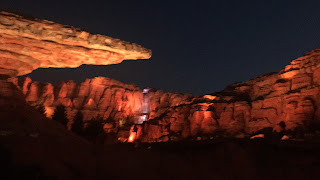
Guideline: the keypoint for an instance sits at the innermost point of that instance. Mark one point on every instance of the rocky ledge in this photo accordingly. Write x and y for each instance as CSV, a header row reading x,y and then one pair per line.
x,y
29,43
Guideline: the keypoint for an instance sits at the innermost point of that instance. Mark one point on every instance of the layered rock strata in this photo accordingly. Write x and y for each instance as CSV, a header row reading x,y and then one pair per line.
x,y
97,97
28,43
282,101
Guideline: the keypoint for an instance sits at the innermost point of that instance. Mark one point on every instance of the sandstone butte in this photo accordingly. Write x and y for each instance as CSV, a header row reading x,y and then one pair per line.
x,y
29,43
282,101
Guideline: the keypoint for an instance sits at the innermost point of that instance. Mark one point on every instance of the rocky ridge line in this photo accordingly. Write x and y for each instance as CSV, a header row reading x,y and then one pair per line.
x,y
282,101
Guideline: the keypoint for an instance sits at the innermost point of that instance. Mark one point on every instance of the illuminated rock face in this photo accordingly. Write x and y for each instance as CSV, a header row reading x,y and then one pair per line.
x,y
290,97
97,97
282,101
28,44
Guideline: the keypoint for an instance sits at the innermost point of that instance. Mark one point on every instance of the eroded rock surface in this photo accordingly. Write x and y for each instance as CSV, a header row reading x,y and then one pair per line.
x,y
98,97
282,101
28,44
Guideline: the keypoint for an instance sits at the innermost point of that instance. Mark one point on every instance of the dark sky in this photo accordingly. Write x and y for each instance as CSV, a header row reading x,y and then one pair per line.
x,y
198,46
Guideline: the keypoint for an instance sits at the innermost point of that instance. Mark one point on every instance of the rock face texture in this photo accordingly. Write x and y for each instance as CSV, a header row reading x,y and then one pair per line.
x,y
28,44
97,97
282,101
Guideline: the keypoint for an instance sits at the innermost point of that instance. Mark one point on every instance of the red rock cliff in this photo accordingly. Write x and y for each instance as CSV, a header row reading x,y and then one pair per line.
x,y
283,101
97,97
290,97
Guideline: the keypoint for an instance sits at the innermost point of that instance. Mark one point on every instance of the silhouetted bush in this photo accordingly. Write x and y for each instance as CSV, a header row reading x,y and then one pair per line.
x,y
282,125
60,115
93,128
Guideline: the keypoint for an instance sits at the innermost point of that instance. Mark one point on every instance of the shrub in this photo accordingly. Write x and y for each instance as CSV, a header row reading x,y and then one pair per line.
x,y
93,129
60,115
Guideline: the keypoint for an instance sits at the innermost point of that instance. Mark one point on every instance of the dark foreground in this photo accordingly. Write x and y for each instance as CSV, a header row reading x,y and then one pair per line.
x,y
228,159
225,159
35,147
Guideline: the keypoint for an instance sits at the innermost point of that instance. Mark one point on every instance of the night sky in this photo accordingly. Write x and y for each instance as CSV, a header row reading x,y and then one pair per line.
x,y
198,47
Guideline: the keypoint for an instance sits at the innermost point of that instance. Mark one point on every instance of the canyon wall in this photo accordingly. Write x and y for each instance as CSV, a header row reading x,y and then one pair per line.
x,y
98,97
286,100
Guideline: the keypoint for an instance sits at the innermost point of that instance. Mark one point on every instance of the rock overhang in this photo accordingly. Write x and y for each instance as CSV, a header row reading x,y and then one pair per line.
x,y
28,44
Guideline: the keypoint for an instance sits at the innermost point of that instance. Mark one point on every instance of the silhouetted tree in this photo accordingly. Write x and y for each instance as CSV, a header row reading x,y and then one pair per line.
x,y
77,126
60,115
93,129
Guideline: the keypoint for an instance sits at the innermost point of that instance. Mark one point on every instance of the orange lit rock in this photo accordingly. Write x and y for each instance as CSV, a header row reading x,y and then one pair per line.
x,y
267,101
33,93
231,120
28,44
97,97
290,97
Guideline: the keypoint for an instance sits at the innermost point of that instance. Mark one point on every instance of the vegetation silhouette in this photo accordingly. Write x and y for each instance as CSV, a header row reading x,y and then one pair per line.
x,y
93,128
60,115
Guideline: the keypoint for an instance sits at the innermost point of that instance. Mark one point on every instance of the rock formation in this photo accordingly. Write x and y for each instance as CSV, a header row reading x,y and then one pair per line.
x,y
31,145
282,101
97,97
29,43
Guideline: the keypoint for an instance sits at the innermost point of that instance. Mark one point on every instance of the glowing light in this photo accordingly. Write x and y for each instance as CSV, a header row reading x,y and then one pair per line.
x,y
49,111
146,90
133,135
257,136
90,102
289,74
135,132
209,97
